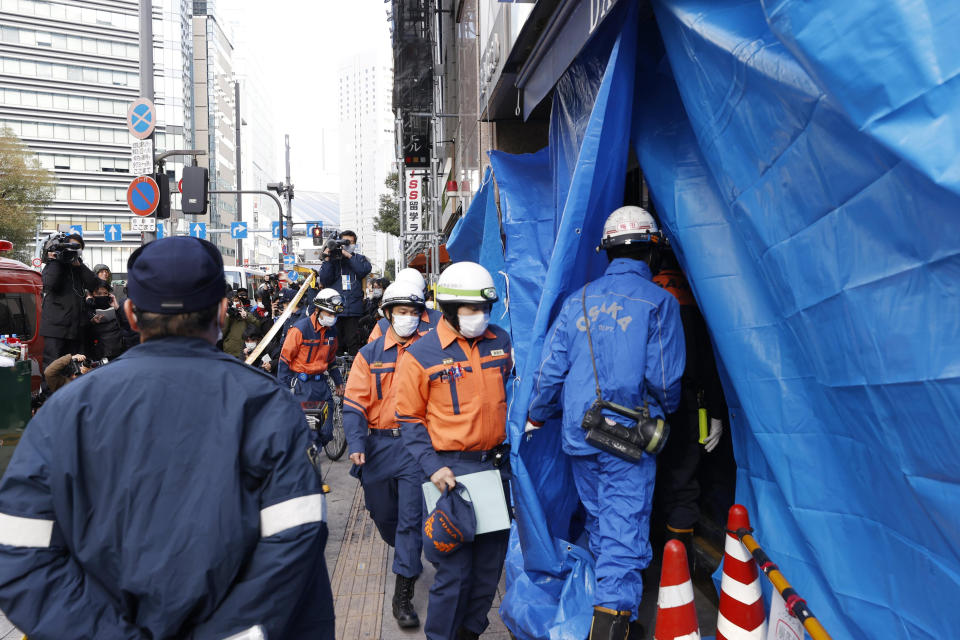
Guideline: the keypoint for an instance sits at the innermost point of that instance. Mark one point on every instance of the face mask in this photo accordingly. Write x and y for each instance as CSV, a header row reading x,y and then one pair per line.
x,y
431,304
327,321
474,326
377,293
405,325
251,345
101,302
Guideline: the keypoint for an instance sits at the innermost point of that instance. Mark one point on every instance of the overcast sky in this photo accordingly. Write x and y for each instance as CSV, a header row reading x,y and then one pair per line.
x,y
300,45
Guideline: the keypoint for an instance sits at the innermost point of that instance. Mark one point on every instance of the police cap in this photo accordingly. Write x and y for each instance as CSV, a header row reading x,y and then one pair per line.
x,y
180,274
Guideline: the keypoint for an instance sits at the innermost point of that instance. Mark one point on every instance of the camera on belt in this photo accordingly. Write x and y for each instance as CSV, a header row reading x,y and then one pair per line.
x,y
629,443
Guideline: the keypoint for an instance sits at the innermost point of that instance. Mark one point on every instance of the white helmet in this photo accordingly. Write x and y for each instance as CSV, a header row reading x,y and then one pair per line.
x,y
329,300
402,293
466,282
628,225
413,277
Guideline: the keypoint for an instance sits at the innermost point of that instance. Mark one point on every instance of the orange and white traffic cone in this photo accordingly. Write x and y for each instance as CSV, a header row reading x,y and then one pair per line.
x,y
741,614
676,613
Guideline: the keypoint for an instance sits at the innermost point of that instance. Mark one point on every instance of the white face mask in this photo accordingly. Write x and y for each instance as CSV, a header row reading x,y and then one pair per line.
x,y
405,325
327,321
251,345
474,326
431,304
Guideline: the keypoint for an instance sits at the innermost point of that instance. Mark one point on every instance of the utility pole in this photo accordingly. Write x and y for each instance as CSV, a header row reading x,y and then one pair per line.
x,y
146,73
289,195
236,111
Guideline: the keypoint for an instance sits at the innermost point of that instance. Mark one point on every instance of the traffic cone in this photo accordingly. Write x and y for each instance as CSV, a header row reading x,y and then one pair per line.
x,y
676,613
741,614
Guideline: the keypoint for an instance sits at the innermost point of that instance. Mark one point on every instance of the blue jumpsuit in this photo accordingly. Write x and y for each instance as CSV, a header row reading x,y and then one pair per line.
x,y
180,506
391,478
639,348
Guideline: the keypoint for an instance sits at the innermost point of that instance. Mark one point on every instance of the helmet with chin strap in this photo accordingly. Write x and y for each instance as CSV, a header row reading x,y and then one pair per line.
x,y
402,293
329,300
466,282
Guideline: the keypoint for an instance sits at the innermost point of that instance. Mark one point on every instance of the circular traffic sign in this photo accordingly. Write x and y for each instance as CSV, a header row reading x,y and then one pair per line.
x,y
180,185
141,118
143,195
37,262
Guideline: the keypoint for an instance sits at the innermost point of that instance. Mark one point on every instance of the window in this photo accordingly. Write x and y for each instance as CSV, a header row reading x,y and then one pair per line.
x,y
18,314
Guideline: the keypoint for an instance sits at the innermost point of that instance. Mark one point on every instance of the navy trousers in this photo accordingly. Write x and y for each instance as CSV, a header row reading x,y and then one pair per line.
x,y
467,579
317,391
392,481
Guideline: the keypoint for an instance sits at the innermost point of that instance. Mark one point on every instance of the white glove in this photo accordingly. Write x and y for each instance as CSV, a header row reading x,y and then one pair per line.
x,y
530,427
713,438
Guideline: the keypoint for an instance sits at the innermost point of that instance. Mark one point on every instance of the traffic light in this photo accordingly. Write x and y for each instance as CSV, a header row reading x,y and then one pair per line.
x,y
195,184
163,208
317,233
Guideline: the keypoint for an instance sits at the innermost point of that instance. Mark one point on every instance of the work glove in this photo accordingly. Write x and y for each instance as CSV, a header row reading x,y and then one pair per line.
x,y
713,438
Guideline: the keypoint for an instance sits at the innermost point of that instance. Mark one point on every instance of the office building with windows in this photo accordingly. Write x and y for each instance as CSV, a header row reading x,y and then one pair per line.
x,y
366,149
68,73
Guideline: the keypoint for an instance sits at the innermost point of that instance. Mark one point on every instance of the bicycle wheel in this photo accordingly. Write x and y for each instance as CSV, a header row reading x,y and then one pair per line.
x,y
338,446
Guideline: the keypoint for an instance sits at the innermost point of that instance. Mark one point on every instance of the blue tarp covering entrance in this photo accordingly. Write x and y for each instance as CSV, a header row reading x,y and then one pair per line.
x,y
804,158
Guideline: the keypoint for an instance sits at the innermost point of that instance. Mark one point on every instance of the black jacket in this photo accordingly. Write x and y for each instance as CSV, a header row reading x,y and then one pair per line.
x,y
107,335
64,290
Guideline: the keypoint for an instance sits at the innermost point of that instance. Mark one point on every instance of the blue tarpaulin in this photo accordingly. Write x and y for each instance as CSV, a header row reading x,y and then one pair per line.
x,y
804,159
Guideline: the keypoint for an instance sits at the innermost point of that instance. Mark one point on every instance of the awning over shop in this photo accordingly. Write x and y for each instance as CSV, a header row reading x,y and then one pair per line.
x,y
421,261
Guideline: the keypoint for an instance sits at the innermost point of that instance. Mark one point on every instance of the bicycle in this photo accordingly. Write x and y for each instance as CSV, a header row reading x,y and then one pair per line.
x,y
338,446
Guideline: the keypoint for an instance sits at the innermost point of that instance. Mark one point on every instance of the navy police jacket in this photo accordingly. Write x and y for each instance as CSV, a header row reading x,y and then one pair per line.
x,y
166,495
639,348
346,276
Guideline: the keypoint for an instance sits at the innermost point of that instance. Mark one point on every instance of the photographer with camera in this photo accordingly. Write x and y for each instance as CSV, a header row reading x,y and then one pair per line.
x,y
103,313
343,269
238,319
615,356
66,281
64,369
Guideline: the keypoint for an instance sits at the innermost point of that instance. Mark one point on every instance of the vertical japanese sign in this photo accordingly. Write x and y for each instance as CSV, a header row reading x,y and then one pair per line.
x,y
414,193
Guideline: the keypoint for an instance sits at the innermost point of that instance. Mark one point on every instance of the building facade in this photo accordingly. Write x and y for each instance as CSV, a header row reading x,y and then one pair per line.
x,y
215,122
366,149
68,73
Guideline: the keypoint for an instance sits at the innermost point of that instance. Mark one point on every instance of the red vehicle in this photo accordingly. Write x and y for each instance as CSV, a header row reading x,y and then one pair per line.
x,y
21,297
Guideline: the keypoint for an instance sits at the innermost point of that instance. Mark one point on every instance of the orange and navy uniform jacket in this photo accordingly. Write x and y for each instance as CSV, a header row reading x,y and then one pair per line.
x,y
428,321
451,393
370,399
308,348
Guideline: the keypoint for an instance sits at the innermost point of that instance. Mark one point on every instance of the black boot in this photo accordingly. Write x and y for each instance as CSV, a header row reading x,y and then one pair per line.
x,y
609,624
466,634
637,632
686,537
403,609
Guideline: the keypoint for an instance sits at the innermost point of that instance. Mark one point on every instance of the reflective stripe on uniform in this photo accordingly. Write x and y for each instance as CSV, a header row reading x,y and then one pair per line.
x,y
253,633
25,532
292,513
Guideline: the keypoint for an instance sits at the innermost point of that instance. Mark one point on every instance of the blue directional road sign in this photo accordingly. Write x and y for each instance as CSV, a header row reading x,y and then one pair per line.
x,y
161,230
112,233
289,260
238,230
293,275
76,229
275,229
198,230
